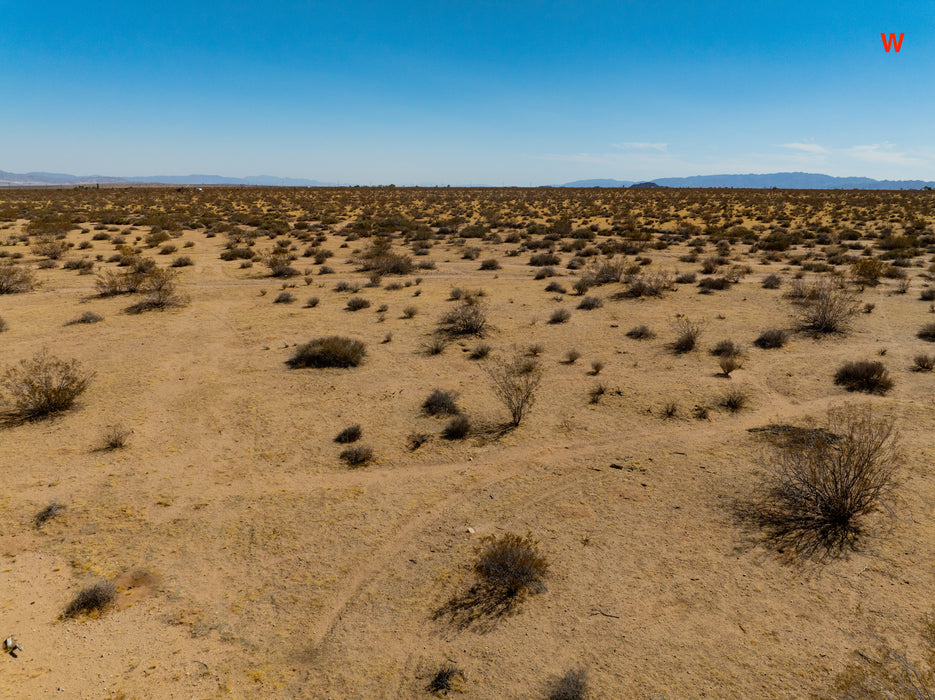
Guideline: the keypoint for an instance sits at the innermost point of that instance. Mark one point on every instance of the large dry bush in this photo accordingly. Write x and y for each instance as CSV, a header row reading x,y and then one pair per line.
x,y
160,289
469,317
42,386
330,351
515,382
825,307
510,566
821,487
15,279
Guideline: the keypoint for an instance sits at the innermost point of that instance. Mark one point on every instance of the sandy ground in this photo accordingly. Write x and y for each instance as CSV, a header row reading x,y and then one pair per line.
x,y
276,571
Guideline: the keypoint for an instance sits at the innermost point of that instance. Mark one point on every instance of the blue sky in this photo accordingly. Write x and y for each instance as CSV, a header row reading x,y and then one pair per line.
x,y
499,93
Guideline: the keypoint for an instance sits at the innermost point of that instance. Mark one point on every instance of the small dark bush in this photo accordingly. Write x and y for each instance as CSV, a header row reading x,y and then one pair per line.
x,y
410,311
927,294
868,376
457,428
589,303
927,332
686,278
686,335
490,264
572,686
596,367
441,403
511,566
86,317
3,325
560,316
924,363
726,347
640,333
728,363
357,456
330,351
554,286
311,303
416,440
571,357
284,298
480,351
772,282
597,392
773,338
435,345
445,679
468,318
115,438
543,259
182,261
47,513
733,399
357,303
348,435
92,599
544,272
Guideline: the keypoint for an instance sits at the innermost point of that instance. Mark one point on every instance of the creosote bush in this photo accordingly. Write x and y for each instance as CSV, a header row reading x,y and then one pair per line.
x,y
457,428
15,279
469,317
441,403
571,686
511,566
348,435
686,335
773,338
869,376
357,456
92,599
330,351
825,307
820,488
43,386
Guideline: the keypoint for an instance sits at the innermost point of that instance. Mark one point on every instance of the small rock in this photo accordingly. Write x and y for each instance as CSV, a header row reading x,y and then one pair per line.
x,y
470,530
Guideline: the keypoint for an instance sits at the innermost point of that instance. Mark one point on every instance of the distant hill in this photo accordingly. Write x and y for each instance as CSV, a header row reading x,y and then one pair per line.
x,y
807,181
46,179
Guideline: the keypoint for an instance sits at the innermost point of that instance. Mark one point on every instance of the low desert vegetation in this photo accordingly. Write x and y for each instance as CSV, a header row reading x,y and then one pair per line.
x,y
441,403
771,339
350,434
687,333
115,437
641,332
560,316
511,566
457,428
53,510
825,307
820,488
43,386
868,376
573,685
86,317
515,381
469,317
15,279
357,456
330,351
447,678
92,600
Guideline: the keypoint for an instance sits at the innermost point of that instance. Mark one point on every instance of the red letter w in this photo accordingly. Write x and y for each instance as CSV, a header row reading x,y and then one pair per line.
x,y
893,43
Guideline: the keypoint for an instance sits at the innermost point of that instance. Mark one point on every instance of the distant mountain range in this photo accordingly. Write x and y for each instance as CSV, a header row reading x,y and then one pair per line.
x,y
809,181
791,181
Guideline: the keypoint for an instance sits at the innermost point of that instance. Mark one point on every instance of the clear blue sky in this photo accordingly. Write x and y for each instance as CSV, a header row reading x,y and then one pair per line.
x,y
446,91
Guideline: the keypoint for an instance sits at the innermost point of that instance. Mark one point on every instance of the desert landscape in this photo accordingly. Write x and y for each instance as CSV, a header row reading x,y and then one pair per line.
x,y
388,442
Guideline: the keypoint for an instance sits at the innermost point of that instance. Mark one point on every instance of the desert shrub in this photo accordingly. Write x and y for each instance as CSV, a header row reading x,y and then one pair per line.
x,y
726,347
572,356
416,440
515,382
43,386
490,264
819,488
868,271
596,367
279,266
589,303
479,351
357,456
330,351
183,261
445,679
325,270
596,392
46,514
441,403
543,272
686,334
640,333
927,332
159,287
825,308
927,294
773,338
729,362
772,282
410,311
535,349
554,286
284,298
348,435
114,438
3,325
543,259
357,303
734,399
312,302
469,317
869,376
15,279
457,428
435,345
168,249
686,278
924,363
86,317
560,316
581,286
571,686
651,284
511,566
92,599
345,286
708,284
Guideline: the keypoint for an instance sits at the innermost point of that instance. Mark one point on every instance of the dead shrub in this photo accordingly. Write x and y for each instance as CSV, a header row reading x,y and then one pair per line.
x,y
826,307
734,399
469,317
43,386
348,435
114,438
441,403
330,351
46,514
819,489
686,334
924,363
86,317
728,363
457,428
773,338
641,333
559,316
357,456
510,566
571,686
445,679
15,279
